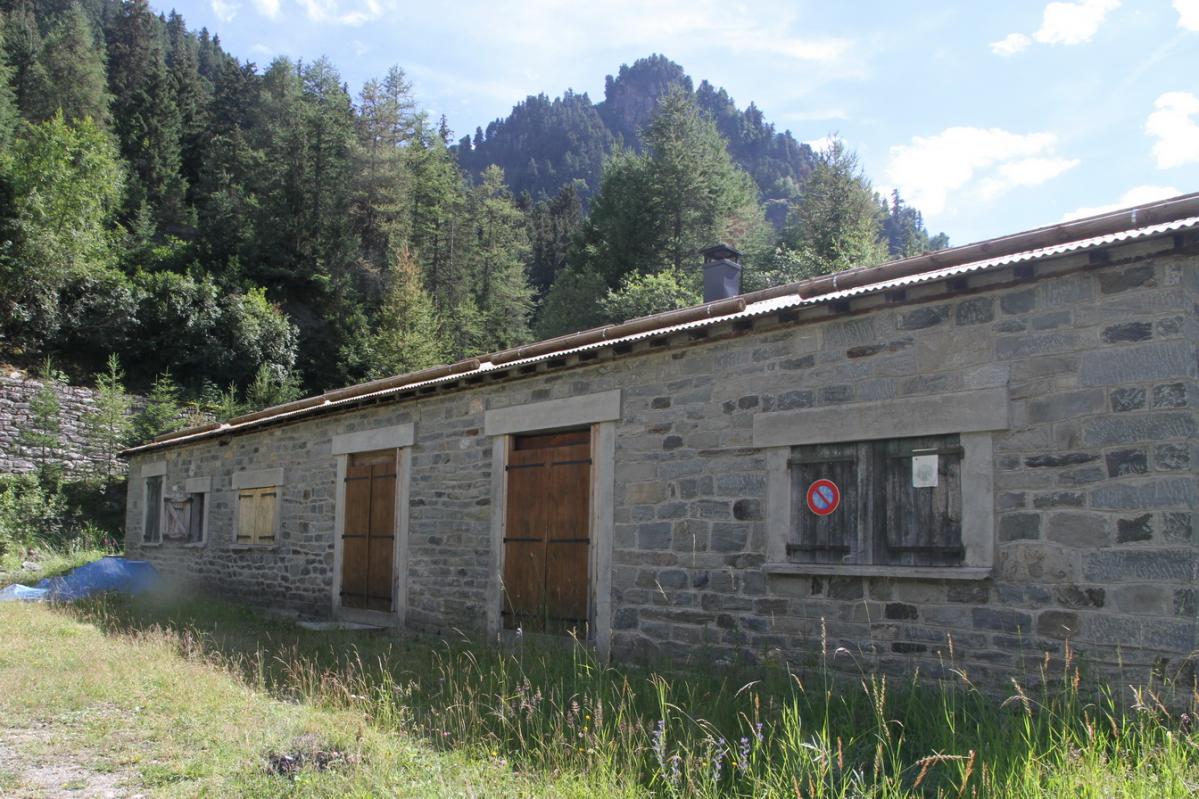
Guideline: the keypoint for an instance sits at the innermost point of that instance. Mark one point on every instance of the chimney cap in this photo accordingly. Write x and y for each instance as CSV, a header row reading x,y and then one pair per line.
x,y
720,251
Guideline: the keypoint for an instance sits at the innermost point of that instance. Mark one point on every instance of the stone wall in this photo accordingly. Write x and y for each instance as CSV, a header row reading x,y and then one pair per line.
x,y
1095,491
17,389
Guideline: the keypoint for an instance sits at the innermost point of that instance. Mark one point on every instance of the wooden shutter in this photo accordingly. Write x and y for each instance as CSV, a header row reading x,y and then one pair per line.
x,y
247,515
264,515
918,526
831,538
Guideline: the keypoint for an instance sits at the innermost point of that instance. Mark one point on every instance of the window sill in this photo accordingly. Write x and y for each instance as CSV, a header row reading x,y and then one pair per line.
x,y
900,572
195,545
253,547
151,543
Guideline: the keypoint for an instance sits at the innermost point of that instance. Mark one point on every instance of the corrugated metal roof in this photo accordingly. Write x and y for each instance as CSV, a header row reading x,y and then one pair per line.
x,y
754,309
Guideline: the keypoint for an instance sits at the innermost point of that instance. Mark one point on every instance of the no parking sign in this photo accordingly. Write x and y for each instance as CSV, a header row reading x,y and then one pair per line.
x,y
824,497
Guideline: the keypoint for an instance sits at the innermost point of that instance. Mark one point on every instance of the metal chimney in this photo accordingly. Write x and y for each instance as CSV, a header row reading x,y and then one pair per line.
x,y
722,272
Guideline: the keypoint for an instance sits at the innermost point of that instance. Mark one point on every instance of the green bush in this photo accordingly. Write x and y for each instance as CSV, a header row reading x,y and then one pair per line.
x,y
30,514
71,516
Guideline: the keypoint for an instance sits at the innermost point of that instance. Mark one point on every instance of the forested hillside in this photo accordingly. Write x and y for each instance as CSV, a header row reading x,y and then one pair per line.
x,y
255,231
545,143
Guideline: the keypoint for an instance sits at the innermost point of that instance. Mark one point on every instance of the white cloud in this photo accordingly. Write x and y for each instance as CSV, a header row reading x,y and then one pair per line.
x,y
1073,23
1176,132
1024,172
1188,14
1137,195
225,11
822,144
985,162
268,8
1011,44
351,14
1063,23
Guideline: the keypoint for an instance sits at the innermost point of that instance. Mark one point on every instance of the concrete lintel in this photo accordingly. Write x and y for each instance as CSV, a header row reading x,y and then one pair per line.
x,y
400,435
198,485
260,478
154,468
959,412
898,572
552,414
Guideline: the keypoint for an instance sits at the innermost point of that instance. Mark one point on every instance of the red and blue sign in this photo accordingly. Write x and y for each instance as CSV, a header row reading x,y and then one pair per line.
x,y
824,497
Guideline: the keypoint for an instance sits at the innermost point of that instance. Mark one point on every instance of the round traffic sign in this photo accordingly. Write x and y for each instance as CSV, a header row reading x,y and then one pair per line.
x,y
824,497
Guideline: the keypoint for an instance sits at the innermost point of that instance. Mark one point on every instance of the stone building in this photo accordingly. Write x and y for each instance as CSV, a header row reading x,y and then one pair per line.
x,y
994,444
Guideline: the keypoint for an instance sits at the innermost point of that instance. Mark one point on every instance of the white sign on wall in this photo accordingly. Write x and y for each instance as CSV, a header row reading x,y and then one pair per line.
x,y
924,471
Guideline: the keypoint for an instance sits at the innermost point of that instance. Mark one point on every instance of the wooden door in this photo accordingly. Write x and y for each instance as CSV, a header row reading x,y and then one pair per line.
x,y
547,533
368,535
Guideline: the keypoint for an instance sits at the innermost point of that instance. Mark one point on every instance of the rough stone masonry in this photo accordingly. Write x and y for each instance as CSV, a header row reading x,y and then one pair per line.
x,y
1092,476
17,389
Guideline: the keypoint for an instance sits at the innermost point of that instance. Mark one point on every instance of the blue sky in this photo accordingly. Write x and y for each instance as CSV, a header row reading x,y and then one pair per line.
x,y
989,117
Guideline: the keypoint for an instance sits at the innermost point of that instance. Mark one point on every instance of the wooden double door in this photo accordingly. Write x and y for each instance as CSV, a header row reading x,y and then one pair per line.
x,y
547,532
369,531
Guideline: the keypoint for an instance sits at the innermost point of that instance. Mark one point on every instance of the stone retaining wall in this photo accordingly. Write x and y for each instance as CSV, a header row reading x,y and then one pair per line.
x,y
17,389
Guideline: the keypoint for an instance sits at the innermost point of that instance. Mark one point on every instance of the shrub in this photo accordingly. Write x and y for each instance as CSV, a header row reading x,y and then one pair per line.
x,y
30,513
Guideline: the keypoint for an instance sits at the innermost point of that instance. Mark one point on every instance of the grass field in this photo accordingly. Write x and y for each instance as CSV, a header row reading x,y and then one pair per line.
x,y
189,698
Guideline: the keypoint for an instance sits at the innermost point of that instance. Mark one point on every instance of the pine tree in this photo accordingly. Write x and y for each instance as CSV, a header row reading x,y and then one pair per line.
x,y
162,412
407,331
192,95
71,73
22,42
697,195
553,224
271,388
381,204
904,229
836,225
438,203
655,211
108,427
145,117
8,102
42,436
503,296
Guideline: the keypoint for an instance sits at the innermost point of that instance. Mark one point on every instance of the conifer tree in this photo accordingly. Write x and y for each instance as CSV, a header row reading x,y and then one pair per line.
x,y
71,73
438,202
109,426
407,331
383,185
145,117
8,103
162,412
503,296
22,42
192,95
836,225
42,435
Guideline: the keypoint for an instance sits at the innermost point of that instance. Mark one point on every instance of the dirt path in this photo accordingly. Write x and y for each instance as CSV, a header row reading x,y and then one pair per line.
x,y
32,768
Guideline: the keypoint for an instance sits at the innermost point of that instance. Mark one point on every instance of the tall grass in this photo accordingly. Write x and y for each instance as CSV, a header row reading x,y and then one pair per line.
x,y
765,732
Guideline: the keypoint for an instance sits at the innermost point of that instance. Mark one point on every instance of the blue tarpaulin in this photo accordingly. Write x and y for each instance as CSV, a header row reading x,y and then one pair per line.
x,y
106,574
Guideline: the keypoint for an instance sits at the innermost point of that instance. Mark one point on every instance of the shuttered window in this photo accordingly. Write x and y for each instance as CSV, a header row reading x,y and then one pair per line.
x,y
900,503
257,510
